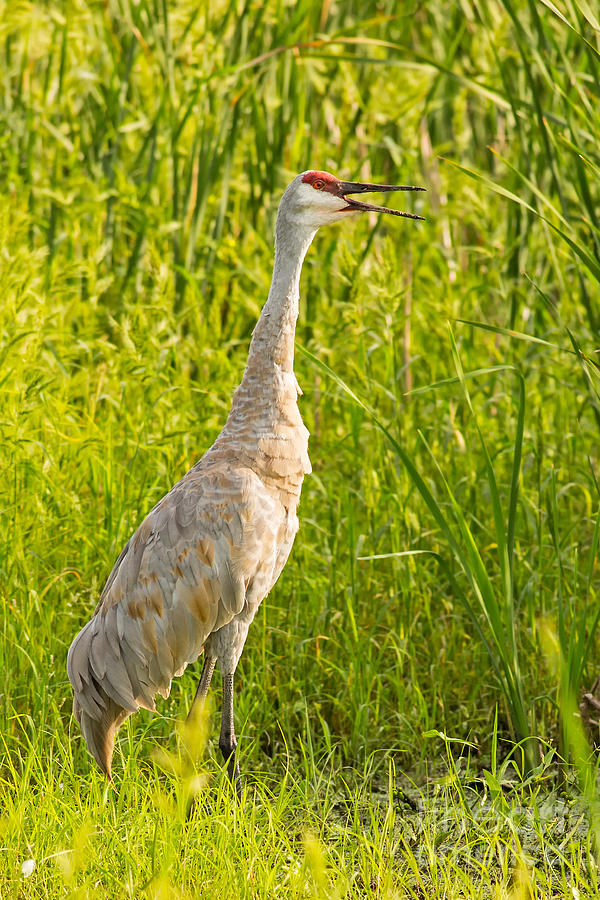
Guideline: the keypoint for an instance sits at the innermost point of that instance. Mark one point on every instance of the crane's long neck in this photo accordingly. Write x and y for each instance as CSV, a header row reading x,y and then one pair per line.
x,y
264,430
272,345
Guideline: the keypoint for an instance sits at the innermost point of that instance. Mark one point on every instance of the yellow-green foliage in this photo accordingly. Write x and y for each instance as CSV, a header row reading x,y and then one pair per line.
x,y
144,145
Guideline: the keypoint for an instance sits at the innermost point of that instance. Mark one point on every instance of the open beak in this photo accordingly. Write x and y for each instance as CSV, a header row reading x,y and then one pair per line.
x,y
357,187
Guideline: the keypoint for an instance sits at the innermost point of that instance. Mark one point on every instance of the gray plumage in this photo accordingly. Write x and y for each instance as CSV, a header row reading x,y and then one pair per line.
x,y
196,570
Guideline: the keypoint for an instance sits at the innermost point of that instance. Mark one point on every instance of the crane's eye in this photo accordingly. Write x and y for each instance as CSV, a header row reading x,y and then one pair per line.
x,y
318,185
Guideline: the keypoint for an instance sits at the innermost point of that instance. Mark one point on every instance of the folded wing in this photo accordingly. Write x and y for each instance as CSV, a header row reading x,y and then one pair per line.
x,y
183,574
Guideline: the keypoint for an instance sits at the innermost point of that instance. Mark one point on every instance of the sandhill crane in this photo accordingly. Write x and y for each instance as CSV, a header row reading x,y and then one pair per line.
x,y
193,575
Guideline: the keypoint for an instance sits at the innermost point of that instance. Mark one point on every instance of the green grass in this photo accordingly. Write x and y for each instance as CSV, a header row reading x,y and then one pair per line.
x,y
441,602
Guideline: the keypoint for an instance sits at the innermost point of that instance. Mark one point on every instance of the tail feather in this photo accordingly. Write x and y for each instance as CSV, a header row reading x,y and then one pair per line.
x,y
99,713
99,733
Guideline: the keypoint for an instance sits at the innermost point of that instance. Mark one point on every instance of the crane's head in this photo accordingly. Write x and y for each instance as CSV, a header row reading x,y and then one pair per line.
x,y
318,198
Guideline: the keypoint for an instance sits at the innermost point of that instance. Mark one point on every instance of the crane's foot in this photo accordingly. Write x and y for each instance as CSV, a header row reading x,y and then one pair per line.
x,y
233,771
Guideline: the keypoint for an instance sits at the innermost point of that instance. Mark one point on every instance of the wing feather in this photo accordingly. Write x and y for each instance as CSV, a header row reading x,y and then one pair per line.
x,y
182,575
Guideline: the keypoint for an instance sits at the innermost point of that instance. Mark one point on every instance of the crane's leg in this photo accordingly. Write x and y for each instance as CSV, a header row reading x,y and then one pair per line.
x,y
203,684
227,739
199,698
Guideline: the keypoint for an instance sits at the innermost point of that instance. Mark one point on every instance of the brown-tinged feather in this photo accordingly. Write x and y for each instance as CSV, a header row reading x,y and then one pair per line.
x,y
99,733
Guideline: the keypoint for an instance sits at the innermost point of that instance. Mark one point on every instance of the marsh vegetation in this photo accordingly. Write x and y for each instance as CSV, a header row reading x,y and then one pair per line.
x,y
408,696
